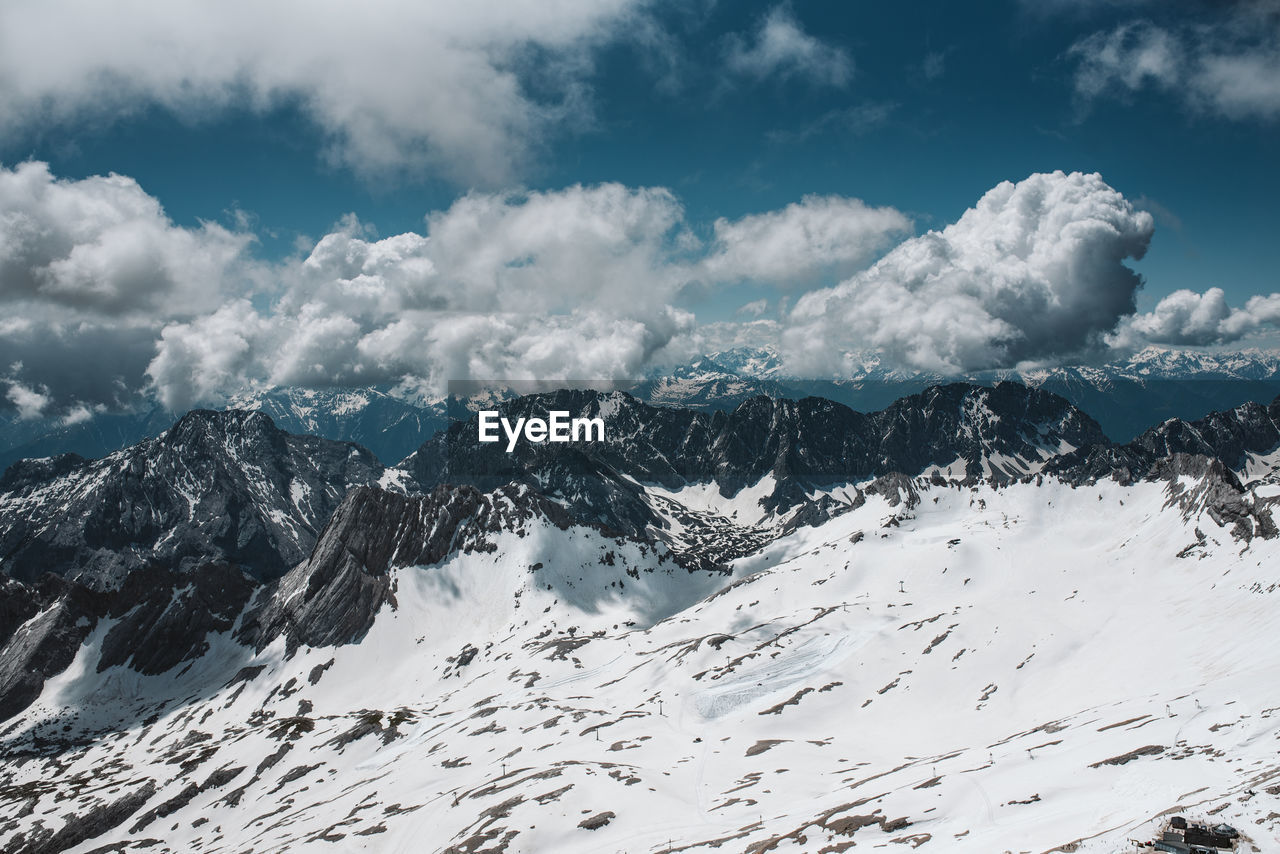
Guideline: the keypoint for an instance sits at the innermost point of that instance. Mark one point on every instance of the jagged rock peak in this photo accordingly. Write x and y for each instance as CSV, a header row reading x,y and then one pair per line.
x,y
1001,433
1201,484
27,473
160,619
241,424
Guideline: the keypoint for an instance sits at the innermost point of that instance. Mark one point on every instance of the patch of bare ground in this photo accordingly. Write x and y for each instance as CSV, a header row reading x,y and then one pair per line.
x,y
762,745
838,821
1149,750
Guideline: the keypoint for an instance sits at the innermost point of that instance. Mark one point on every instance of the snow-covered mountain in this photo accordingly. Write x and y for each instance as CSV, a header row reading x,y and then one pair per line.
x,y
1126,397
216,487
1162,363
762,363
388,425
1246,439
967,622
706,384
1150,363
966,432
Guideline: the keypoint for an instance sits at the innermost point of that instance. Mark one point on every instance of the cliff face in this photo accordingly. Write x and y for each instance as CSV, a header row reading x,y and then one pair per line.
x,y
333,596
1238,437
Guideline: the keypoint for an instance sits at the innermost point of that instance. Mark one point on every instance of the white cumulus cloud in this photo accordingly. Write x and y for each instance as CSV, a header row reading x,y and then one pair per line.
x,y
585,282
1033,271
819,236
103,246
29,402
576,283
90,270
1230,67
109,300
780,48
394,84
1185,317
209,358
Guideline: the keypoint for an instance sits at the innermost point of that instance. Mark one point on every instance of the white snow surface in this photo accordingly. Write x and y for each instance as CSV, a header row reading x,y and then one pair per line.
x,y
1022,669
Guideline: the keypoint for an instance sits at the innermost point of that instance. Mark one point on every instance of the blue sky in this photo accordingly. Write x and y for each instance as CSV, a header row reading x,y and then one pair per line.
x,y
735,109
1000,106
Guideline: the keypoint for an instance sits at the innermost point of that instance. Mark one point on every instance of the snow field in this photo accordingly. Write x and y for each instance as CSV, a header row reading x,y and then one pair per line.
x,y
990,670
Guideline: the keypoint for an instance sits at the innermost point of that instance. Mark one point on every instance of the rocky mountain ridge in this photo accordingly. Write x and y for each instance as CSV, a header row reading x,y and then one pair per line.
x,y
233,488
334,595
215,487
999,433
227,520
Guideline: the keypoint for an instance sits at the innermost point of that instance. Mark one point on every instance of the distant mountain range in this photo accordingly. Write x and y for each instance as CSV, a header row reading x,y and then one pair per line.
x,y
387,425
1125,397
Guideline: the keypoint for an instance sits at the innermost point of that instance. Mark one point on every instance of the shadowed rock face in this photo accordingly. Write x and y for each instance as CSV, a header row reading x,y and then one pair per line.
x,y
1209,452
813,437
1002,433
333,597
216,487
56,617
163,619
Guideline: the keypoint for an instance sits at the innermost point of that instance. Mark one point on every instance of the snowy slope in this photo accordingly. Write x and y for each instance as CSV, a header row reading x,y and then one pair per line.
x,y
1017,669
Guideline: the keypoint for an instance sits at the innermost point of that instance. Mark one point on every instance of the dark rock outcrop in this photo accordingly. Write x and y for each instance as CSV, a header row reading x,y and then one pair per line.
x,y
165,618
1230,436
812,438
92,823
1216,491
